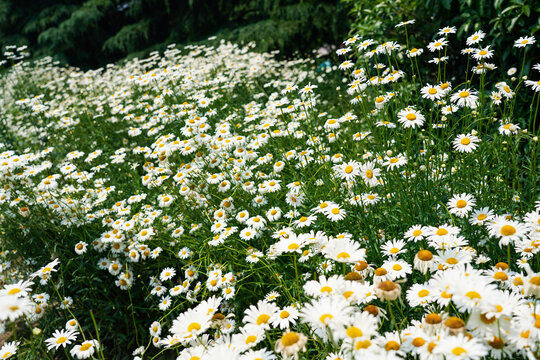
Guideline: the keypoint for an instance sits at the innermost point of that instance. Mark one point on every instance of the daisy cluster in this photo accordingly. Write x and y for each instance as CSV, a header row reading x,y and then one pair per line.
x,y
251,213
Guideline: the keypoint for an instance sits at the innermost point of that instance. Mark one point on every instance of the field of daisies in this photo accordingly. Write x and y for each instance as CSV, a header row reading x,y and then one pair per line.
x,y
215,203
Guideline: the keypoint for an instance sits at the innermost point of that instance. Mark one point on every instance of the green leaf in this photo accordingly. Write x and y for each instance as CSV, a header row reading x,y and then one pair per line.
x,y
526,10
447,4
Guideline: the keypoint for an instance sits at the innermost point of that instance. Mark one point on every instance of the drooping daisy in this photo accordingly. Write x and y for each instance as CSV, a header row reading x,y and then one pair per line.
x,y
290,344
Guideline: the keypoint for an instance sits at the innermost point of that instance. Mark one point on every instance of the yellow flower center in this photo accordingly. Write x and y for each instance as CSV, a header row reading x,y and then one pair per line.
x,y
325,317
263,319
14,291
369,174
343,255
379,99
349,169
362,344
392,345
473,295
61,340
411,117
441,232
85,347
354,332
423,293
508,230
461,204
432,91
251,339
458,351
464,94
499,275
465,141
290,339
482,217
482,52
446,295
284,314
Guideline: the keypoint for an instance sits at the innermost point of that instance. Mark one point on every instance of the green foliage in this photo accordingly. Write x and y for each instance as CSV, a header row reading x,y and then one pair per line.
x,y
502,20
92,33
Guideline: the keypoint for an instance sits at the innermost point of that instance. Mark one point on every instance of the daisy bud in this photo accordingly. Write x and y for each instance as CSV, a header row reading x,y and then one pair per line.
x,y
525,131
423,168
387,290
36,331
474,132
513,78
291,343
389,152
524,77
455,325
535,139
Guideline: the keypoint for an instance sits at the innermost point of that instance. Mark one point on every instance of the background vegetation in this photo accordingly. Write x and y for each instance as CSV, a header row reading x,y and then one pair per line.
x,y
92,33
